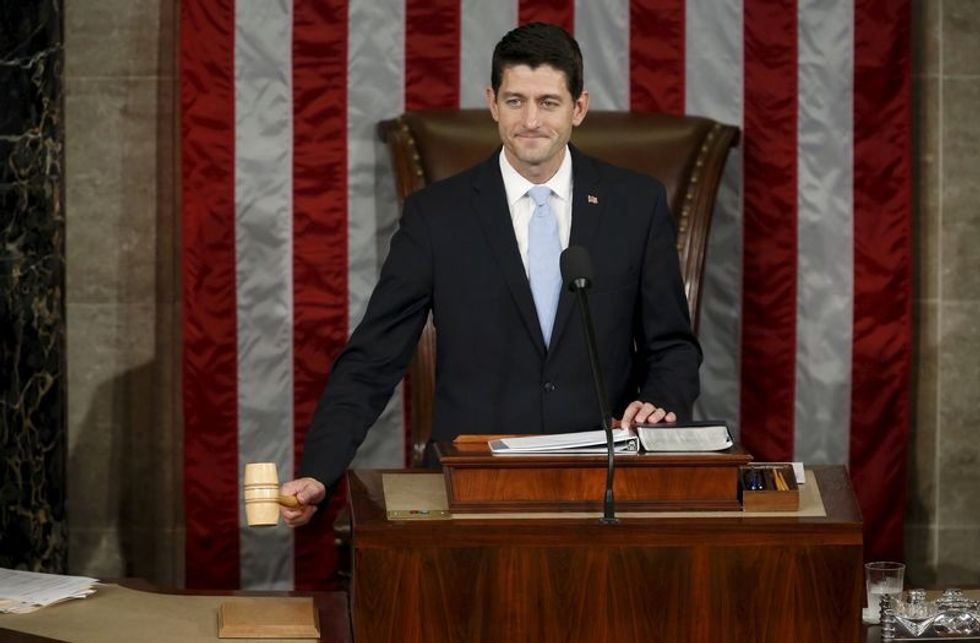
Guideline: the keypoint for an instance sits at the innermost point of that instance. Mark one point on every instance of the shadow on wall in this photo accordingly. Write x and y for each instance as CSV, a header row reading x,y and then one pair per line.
x,y
122,498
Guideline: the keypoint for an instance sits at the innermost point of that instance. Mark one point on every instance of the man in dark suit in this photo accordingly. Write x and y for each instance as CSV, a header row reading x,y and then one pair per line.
x,y
480,251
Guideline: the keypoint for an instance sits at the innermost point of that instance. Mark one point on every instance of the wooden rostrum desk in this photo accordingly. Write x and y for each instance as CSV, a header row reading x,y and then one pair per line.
x,y
694,577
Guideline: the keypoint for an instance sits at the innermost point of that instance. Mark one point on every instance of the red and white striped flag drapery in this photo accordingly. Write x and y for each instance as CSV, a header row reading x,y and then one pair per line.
x,y
288,204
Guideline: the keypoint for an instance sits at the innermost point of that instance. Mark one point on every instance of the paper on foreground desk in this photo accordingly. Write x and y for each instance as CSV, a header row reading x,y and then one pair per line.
x,y
22,592
122,614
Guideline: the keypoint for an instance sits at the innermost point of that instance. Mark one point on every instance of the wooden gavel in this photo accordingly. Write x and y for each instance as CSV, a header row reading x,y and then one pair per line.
x,y
262,499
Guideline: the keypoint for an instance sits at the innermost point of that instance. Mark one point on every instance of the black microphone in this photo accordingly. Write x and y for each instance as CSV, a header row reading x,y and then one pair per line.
x,y
576,272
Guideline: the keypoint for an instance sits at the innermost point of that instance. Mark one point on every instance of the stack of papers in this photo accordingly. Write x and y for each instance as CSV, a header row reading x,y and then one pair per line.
x,y
581,442
22,592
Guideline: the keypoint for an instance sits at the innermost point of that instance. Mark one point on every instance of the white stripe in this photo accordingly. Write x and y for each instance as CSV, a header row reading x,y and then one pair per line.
x,y
375,91
263,264
825,229
482,25
713,70
603,32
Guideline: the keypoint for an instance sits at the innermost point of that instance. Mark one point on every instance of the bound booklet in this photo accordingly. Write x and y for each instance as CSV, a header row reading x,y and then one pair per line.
x,y
710,435
578,443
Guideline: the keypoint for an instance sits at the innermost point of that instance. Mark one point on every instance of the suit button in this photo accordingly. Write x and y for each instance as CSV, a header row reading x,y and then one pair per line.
x,y
549,387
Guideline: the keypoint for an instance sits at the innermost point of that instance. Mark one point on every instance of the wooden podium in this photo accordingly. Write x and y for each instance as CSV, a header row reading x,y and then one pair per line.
x,y
699,577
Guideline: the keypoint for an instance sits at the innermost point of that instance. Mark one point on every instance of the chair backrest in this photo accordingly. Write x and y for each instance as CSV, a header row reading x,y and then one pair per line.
x,y
687,154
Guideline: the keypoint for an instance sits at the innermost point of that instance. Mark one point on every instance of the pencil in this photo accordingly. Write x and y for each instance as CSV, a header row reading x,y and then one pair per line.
x,y
780,481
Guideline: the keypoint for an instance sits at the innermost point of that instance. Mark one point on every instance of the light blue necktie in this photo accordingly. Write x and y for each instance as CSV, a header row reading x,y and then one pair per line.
x,y
543,251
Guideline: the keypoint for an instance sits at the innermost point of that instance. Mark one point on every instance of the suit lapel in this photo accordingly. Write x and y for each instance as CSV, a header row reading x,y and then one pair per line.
x,y
587,206
493,213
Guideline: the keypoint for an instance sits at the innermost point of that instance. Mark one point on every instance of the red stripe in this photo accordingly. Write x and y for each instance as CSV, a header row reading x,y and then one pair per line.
x,y
431,54
320,264
558,12
657,56
210,344
432,42
770,243
882,337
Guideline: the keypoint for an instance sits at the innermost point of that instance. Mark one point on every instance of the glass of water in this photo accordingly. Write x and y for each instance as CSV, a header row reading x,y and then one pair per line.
x,y
882,578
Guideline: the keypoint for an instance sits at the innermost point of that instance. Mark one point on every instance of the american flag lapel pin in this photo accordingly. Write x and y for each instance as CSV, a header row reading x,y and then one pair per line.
x,y
593,199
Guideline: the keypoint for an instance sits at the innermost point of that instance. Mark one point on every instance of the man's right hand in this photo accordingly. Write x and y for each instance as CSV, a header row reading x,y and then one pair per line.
x,y
310,492
640,412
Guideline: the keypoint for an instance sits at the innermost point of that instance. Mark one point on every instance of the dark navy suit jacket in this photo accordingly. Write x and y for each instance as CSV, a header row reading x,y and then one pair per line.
x,y
456,255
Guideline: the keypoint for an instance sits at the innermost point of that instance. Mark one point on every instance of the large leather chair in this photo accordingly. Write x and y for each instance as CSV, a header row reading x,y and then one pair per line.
x,y
687,153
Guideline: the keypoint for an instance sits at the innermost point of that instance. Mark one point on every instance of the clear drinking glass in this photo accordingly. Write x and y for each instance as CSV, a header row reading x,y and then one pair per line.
x,y
882,578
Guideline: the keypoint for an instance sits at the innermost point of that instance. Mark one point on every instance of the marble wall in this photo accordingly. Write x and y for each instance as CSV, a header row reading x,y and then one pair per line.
x,y
124,495
32,290
943,523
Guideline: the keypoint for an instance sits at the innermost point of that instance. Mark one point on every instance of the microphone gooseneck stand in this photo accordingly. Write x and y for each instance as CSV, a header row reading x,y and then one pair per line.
x,y
576,268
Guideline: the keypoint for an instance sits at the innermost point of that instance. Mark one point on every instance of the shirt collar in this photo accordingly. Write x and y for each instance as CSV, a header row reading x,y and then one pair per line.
x,y
516,186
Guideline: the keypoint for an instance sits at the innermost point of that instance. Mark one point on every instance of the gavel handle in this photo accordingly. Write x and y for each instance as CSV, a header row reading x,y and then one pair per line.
x,y
290,501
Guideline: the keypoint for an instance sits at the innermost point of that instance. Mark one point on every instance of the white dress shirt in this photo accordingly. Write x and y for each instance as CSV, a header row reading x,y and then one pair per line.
x,y
522,207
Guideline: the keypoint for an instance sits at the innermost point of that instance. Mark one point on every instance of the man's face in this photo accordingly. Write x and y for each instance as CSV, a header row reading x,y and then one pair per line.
x,y
535,114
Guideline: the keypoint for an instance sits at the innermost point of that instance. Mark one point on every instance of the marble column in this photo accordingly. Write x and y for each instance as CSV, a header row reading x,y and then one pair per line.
x,y
943,519
33,532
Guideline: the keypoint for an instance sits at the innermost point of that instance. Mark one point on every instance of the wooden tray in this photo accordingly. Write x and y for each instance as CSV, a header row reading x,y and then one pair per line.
x,y
770,498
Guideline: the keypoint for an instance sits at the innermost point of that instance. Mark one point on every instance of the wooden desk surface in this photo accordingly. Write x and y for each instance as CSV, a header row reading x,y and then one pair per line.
x,y
841,525
149,621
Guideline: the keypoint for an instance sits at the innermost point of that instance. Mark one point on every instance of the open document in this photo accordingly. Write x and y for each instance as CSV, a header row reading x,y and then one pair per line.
x,y
580,442
696,436
22,592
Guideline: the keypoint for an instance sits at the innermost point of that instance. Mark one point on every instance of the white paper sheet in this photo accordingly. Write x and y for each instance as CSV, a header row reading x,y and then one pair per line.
x,y
22,591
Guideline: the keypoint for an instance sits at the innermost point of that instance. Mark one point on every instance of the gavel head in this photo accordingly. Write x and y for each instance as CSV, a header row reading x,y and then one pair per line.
x,y
261,486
